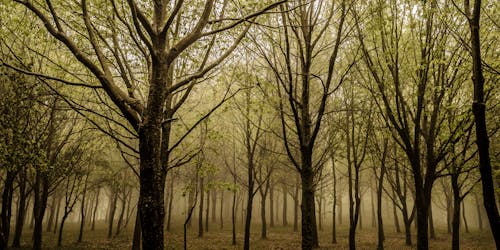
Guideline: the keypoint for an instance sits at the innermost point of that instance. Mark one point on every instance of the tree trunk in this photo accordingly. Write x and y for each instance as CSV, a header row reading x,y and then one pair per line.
x,y
21,211
455,239
170,201
263,234
380,223
374,218
285,202
395,212
233,213
151,173
422,202
432,232
82,209
479,217
200,211
340,209
120,217
248,216
221,209
5,214
479,111
465,218
41,192
52,212
207,211
295,207
334,205
58,209
308,207
95,209
271,206
112,210
214,206
61,228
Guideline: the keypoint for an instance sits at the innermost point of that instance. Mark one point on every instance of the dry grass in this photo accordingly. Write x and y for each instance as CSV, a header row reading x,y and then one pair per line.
x,y
279,238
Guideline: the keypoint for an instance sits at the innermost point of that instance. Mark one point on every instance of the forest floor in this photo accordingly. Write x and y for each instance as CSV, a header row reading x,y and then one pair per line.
x,y
279,238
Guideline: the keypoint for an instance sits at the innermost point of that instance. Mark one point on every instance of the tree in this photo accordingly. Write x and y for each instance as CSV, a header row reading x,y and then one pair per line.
x,y
479,111
303,88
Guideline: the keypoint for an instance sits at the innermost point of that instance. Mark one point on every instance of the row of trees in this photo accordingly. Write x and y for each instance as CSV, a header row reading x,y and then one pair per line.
x,y
382,87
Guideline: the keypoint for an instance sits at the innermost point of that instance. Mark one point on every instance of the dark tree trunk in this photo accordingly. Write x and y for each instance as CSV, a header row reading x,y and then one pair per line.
x,y
295,207
308,207
233,214
380,224
41,192
151,173
407,224
21,211
5,214
248,216
422,201
334,205
263,234
455,240
479,110
61,229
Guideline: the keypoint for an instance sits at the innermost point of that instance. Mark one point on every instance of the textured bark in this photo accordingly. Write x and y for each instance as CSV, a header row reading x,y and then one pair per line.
x,y
41,193
5,213
479,111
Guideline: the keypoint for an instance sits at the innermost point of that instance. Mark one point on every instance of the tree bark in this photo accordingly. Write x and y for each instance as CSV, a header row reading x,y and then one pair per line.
x,y
21,211
263,234
479,111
